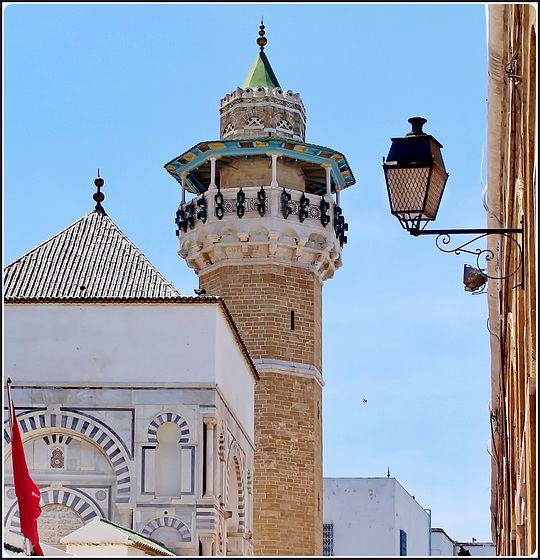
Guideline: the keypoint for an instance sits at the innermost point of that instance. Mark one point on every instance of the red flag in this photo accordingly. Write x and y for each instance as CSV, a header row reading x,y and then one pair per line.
x,y
28,494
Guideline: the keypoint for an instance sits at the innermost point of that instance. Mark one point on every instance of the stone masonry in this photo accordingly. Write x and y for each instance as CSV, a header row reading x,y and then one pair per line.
x,y
288,398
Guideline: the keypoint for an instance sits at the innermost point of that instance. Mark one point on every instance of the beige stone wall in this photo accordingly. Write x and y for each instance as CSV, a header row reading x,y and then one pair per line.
x,y
287,490
512,194
261,297
258,172
287,502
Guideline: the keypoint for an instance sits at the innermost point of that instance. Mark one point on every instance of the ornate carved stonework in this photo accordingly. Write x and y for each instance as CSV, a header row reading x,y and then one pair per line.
x,y
57,458
262,112
57,521
270,236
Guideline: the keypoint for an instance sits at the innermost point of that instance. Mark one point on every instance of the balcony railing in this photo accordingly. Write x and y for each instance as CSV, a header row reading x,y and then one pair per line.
x,y
256,202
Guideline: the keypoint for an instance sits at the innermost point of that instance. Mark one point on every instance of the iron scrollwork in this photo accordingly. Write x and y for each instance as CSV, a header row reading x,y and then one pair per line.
x,y
202,214
286,209
261,201
190,215
304,205
340,226
240,203
444,238
180,221
325,218
218,198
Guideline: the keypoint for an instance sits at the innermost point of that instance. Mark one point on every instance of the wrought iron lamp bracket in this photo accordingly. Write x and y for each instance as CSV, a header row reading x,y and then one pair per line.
x,y
444,239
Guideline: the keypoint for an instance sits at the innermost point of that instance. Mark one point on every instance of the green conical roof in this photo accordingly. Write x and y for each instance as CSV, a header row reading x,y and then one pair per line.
x,y
261,74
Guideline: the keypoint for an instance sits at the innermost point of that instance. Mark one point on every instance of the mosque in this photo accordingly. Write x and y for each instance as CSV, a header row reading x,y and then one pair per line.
x,y
193,421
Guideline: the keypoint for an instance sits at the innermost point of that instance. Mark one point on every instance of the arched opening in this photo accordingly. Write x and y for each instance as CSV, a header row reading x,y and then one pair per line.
x,y
232,521
168,480
234,511
168,536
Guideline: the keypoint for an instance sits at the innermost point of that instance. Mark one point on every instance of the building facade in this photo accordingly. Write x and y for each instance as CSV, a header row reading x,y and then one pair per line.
x,y
263,231
373,517
512,203
135,404
443,545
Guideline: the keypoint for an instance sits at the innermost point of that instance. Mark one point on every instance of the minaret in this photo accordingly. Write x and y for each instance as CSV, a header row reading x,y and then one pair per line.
x,y
263,231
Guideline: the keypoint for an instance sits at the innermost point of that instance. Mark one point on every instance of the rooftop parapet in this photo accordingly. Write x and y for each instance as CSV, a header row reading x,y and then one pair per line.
x,y
262,111
261,91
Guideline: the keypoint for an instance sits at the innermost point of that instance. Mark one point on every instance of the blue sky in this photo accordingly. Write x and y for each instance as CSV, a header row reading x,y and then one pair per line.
x,y
127,87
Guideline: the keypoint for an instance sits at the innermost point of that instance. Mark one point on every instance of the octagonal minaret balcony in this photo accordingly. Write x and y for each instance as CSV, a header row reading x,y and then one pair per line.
x,y
264,198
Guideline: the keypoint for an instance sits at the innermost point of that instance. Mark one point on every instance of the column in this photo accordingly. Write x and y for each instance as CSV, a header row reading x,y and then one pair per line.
x,y
126,515
213,185
328,180
274,182
207,542
210,423
183,178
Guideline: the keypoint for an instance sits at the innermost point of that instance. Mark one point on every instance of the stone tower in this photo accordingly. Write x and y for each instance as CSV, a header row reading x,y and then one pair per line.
x,y
263,231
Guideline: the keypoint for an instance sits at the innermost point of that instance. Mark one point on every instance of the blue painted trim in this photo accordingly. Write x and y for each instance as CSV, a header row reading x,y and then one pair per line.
x,y
233,149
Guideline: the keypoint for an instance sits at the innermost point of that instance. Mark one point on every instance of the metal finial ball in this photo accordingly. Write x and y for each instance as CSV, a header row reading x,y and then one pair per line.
x,y
99,182
99,197
261,41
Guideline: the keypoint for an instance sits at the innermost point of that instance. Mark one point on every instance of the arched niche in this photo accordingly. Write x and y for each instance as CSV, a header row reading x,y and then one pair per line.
x,y
69,442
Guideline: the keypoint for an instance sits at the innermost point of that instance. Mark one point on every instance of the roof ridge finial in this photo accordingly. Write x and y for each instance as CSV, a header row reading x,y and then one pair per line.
x,y
261,41
99,197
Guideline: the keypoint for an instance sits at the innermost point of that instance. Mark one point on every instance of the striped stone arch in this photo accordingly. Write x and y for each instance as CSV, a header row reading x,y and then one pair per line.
x,y
168,417
80,502
235,462
164,521
109,442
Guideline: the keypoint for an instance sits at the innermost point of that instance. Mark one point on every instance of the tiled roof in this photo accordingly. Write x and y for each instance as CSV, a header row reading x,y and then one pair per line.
x,y
261,74
90,259
144,542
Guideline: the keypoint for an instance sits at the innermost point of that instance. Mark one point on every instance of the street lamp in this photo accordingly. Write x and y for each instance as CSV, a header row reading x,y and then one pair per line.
x,y
415,178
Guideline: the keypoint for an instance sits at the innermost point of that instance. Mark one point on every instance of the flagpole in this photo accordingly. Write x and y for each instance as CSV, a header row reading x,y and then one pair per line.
x,y
28,494
27,545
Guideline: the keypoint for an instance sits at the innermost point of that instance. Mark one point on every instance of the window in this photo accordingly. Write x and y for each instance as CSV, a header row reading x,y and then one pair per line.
x,y
328,539
402,543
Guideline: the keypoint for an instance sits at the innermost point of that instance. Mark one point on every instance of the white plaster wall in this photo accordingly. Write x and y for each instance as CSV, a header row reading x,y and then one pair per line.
x,y
368,514
231,378
104,550
478,548
441,543
128,344
414,520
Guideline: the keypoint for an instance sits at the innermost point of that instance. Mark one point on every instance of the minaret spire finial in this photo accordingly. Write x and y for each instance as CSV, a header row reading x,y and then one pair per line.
x,y
261,41
99,197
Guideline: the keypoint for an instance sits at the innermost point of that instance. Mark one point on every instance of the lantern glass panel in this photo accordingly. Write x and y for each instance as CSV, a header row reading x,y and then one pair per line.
x,y
436,187
407,189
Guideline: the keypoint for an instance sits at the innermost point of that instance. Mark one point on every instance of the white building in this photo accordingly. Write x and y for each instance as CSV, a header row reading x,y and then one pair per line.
x,y
135,404
373,517
443,545
475,548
